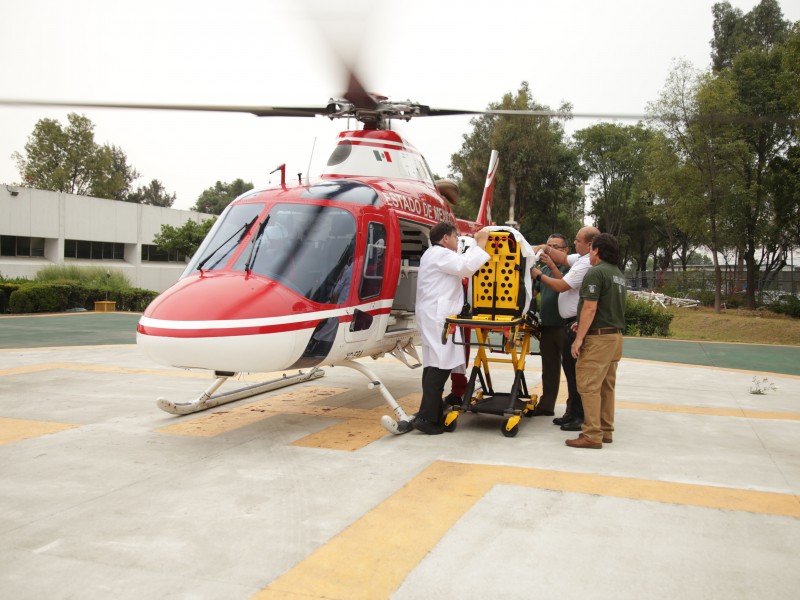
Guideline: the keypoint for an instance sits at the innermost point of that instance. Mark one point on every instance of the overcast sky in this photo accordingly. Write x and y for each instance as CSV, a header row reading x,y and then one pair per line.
x,y
610,56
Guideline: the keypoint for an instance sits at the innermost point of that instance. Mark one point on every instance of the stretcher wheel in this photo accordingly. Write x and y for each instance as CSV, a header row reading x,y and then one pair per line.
x,y
512,431
451,426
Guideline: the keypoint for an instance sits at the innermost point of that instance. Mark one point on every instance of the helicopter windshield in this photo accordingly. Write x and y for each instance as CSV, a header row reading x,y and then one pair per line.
x,y
229,230
307,248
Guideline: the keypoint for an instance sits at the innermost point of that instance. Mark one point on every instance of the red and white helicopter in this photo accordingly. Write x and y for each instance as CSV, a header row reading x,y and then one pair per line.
x,y
297,277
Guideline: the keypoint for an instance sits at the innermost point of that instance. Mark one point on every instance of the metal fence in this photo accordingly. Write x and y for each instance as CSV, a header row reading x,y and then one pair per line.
x,y
701,279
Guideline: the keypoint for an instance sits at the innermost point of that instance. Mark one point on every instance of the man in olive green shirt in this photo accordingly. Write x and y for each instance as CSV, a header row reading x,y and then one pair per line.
x,y
551,343
598,342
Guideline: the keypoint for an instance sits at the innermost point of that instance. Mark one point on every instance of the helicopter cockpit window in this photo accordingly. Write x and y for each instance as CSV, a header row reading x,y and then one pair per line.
x,y
372,278
229,230
309,249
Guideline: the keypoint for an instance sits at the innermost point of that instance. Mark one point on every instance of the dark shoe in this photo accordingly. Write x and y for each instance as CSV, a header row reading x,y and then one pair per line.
x,y
427,427
542,413
583,442
453,400
574,425
562,419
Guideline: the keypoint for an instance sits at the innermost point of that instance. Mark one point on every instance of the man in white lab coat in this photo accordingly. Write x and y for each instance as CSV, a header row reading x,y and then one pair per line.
x,y
440,294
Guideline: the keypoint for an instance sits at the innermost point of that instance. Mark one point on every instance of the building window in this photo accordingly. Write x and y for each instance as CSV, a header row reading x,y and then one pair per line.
x,y
94,250
18,245
153,253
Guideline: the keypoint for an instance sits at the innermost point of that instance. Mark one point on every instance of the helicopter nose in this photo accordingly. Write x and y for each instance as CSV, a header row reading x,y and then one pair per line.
x,y
227,322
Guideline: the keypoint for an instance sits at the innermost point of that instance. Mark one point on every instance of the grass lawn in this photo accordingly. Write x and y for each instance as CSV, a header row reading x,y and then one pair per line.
x,y
735,325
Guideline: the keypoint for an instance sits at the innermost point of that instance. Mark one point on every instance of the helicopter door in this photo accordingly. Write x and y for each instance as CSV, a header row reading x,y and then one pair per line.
x,y
364,325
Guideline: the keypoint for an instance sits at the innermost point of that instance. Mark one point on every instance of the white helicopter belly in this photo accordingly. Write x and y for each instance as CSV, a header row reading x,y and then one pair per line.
x,y
238,353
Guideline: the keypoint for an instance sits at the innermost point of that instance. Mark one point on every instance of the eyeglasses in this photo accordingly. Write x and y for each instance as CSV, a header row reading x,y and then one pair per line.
x,y
556,246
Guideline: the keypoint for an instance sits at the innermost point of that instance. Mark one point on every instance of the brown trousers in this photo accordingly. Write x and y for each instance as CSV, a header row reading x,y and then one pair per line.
x,y
596,374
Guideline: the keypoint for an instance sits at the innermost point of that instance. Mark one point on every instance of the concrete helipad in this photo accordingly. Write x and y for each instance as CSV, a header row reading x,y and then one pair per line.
x,y
300,493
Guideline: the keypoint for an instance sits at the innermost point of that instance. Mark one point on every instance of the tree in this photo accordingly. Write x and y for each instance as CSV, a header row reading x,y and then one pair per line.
x,y
614,156
692,165
755,67
68,160
183,240
734,31
540,180
120,175
153,194
214,199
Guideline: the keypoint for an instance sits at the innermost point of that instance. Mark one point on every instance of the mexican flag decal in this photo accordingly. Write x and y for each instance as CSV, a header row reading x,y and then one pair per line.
x,y
381,156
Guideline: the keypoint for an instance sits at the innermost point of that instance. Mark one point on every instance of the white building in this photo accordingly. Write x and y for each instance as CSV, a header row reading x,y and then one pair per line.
x,y
40,228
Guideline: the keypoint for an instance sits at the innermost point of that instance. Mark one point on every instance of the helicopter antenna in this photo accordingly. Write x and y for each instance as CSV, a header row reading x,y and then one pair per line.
x,y
310,158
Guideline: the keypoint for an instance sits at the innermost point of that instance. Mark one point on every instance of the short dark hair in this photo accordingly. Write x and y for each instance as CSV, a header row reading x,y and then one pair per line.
x,y
607,248
560,236
441,229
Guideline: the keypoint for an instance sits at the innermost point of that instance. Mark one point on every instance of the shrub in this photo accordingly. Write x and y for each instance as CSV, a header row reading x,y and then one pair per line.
x,y
98,277
58,297
706,297
643,318
40,298
133,299
6,289
787,305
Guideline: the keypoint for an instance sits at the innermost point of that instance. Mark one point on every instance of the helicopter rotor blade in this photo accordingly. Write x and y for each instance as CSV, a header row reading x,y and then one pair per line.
x,y
259,111
444,112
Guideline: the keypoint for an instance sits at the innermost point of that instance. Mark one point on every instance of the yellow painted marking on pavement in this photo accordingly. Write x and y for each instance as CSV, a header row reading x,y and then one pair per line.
x,y
91,347
298,401
250,378
373,556
99,369
358,431
711,411
16,430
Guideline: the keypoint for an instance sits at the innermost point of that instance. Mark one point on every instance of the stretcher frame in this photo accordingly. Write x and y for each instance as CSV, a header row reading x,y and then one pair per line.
x,y
498,300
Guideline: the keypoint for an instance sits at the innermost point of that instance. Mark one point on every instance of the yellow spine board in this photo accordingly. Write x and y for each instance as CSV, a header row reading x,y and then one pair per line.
x,y
498,283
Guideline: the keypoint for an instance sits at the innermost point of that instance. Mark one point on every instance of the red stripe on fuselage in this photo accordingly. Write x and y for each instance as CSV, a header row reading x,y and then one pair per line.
x,y
239,331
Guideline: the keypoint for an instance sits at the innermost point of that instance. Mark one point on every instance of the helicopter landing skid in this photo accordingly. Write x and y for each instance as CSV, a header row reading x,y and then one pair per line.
x,y
207,400
403,422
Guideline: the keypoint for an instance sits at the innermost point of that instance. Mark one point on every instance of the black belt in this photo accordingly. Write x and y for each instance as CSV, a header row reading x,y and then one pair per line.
x,y
570,320
604,331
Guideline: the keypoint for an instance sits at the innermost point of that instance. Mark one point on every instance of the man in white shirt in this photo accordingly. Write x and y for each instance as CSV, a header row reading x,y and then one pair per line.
x,y
440,294
569,288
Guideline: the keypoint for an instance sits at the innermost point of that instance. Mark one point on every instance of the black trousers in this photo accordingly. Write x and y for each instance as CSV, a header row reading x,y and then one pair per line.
x,y
574,405
431,407
551,347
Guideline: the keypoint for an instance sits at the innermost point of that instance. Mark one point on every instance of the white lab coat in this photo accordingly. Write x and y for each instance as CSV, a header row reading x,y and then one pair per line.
x,y
440,293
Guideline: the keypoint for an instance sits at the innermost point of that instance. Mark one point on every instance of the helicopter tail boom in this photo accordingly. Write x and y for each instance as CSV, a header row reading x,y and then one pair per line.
x,y
485,211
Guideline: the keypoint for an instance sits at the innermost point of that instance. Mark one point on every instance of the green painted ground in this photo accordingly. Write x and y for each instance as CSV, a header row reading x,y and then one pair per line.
x,y
750,357
89,329
73,329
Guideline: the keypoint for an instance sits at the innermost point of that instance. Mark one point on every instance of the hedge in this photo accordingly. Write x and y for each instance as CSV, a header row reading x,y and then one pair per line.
x,y
643,318
6,289
787,305
59,297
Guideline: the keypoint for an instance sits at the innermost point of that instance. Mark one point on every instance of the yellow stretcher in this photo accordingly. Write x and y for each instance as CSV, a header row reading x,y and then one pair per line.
x,y
500,325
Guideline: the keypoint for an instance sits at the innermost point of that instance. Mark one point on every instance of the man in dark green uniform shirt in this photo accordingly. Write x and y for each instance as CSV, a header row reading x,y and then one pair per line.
x,y
551,344
598,342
